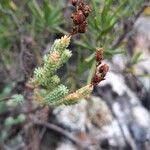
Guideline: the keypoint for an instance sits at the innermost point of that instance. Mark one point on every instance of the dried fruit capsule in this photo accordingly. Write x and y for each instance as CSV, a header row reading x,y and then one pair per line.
x,y
99,54
104,69
78,18
97,79
86,10
82,28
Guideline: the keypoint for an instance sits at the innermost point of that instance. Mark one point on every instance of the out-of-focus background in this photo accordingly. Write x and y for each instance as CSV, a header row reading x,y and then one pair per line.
x,y
117,114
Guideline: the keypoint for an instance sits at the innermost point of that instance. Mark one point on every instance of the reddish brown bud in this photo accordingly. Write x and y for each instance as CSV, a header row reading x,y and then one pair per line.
x,y
81,5
78,18
101,70
82,28
99,54
86,10
97,79
104,69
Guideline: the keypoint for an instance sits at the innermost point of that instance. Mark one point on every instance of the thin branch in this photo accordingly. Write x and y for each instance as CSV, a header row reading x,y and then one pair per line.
x,y
58,130
141,10
5,99
131,23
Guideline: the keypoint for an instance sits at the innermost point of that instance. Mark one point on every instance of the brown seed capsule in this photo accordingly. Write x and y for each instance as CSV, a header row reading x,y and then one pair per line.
x,y
86,10
99,54
104,69
80,5
83,27
78,18
97,79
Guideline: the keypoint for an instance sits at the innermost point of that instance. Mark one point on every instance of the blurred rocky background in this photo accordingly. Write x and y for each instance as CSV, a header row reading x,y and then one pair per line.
x,y
117,114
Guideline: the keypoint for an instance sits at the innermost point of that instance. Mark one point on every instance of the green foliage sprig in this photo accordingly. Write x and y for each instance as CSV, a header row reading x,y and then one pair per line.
x,y
52,61
15,100
47,87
